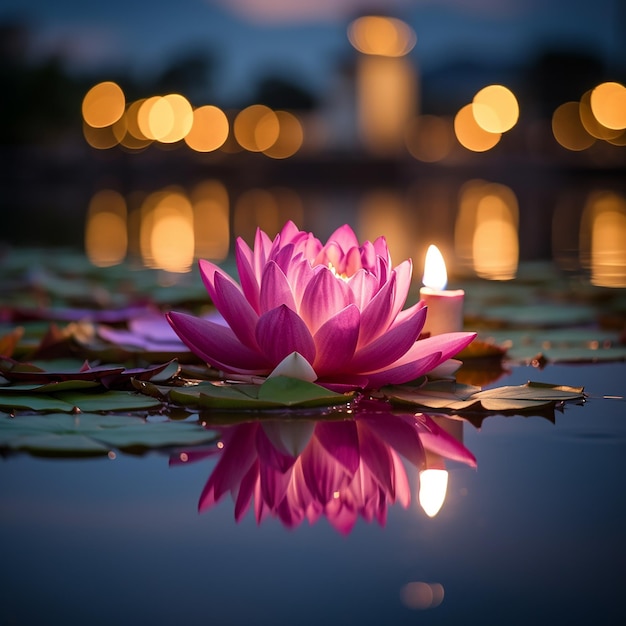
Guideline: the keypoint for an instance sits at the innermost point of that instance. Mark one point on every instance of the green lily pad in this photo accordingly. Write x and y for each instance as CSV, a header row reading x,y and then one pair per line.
x,y
54,387
451,396
108,401
92,434
69,401
274,393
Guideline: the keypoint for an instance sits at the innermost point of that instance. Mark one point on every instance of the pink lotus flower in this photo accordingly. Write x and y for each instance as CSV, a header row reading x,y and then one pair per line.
x,y
338,305
304,469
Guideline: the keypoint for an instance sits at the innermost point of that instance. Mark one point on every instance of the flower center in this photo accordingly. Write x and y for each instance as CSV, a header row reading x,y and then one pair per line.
x,y
333,269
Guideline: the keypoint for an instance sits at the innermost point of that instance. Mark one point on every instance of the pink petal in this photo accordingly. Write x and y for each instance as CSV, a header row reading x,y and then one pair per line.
x,y
403,273
447,344
436,439
400,432
247,277
236,310
324,296
375,455
336,341
217,344
398,374
352,262
280,332
376,316
208,271
368,256
261,252
341,441
390,346
402,485
364,285
275,289
238,455
345,237
322,473
246,491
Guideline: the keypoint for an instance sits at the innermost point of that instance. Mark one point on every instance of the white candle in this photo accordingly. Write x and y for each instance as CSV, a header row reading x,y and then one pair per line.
x,y
445,307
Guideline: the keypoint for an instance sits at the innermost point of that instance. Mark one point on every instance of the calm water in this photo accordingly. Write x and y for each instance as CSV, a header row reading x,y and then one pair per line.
x,y
535,534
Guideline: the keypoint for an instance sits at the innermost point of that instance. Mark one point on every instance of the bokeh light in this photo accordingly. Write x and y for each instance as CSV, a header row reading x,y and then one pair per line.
x,y
470,135
589,121
209,130
380,35
167,231
103,104
429,138
290,137
256,128
106,233
495,109
486,230
211,211
602,238
568,128
608,105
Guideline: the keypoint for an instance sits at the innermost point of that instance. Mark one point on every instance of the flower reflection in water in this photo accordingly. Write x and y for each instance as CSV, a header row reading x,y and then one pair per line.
x,y
343,469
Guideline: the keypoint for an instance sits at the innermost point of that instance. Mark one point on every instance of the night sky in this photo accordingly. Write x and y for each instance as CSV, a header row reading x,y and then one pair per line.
x,y
307,39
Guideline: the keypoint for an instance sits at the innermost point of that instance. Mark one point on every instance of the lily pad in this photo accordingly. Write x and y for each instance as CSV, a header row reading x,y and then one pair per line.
x,y
91,434
274,393
70,401
452,396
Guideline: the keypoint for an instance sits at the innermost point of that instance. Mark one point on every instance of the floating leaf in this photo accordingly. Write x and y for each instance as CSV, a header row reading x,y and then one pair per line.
x,y
69,401
89,434
451,396
108,401
276,392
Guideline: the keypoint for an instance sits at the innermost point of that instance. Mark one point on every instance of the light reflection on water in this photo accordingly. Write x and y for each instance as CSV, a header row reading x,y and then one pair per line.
x,y
483,228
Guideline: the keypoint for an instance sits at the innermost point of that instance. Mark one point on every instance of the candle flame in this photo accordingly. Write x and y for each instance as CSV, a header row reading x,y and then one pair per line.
x,y
435,275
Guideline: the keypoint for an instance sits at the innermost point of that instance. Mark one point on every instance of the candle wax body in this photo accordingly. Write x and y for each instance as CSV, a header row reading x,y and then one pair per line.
x,y
445,310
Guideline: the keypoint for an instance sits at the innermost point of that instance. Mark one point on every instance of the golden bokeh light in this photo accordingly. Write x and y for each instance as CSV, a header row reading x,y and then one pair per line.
x,y
267,209
144,114
211,220
256,128
100,138
106,233
383,212
255,208
167,231
602,239
470,135
380,35
290,137
495,109
591,124
386,102
568,128
175,111
608,105
209,130
103,104
429,138
486,230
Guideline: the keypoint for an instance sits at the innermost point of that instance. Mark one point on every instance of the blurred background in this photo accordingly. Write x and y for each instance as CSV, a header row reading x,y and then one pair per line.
x,y
157,133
